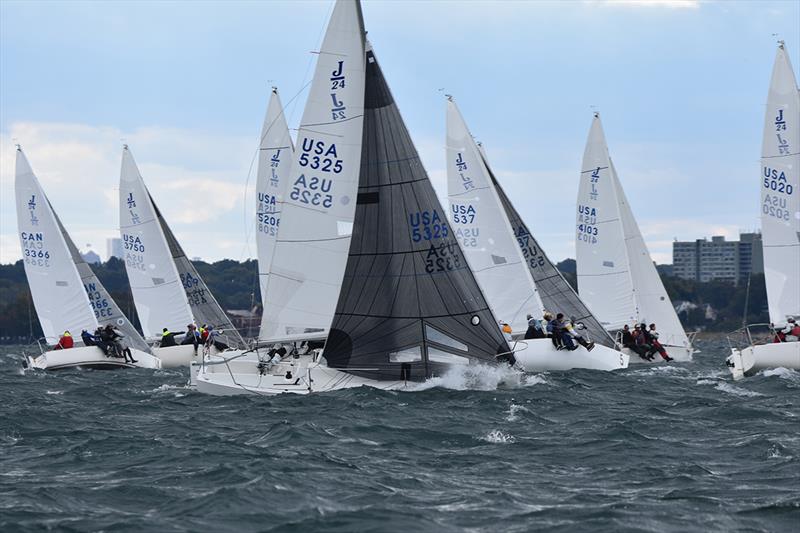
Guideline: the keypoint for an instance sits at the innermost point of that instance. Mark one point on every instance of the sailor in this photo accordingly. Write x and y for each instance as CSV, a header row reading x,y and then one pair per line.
x,y
534,330
167,338
65,341
100,342
657,346
627,338
203,333
791,332
506,331
640,345
213,340
572,331
553,330
192,336
560,330
114,339
87,338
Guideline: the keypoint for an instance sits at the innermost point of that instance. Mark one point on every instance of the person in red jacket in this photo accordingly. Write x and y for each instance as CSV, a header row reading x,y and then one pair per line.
x,y
65,341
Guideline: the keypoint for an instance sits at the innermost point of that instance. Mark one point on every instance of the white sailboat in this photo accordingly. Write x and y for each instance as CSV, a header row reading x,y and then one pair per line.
x,y
364,256
780,221
66,293
506,260
616,276
167,290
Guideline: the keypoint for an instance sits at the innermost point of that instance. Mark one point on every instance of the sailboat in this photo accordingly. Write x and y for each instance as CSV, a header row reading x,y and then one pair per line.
x,y
167,289
406,305
780,222
66,293
513,271
616,276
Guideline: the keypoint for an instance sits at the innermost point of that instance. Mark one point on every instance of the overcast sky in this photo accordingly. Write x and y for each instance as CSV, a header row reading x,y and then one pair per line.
x,y
681,87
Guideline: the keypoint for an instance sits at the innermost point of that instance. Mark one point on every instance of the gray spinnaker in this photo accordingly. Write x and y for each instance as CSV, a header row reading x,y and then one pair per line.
x,y
105,308
556,293
409,307
205,308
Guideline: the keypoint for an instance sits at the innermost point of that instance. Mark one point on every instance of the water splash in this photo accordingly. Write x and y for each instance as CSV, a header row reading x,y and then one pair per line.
x,y
498,437
781,372
475,377
730,389
513,409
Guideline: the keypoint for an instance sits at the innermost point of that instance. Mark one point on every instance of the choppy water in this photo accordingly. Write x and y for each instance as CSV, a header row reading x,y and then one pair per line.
x,y
648,449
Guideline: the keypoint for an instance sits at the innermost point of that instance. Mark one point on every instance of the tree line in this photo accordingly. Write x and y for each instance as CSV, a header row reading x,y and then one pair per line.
x,y
715,306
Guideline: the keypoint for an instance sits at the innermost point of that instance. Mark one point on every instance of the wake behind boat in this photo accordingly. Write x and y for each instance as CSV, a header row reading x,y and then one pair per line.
x,y
70,301
780,229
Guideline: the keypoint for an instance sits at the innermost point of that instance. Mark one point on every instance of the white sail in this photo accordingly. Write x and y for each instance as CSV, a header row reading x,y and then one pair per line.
x,y
653,305
319,205
274,163
56,287
157,289
780,192
484,231
604,279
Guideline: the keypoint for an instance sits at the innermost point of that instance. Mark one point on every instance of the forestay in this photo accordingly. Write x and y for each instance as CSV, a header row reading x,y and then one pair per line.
x,y
158,292
274,163
58,293
780,191
317,212
409,307
556,293
203,305
653,303
604,280
483,230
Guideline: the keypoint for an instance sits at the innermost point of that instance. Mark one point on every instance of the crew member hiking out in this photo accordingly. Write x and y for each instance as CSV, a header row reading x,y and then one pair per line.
x,y
657,346
167,338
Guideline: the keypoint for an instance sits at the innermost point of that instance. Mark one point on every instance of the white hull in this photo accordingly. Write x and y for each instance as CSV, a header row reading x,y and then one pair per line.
x,y
293,376
540,355
753,359
89,357
177,356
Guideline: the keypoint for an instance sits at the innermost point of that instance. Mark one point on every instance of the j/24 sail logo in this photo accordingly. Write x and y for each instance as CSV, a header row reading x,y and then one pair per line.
x,y
780,122
337,82
32,209
131,202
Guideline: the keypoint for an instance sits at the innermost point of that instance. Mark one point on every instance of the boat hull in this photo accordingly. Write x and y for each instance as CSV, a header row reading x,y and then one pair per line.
x,y
89,357
177,356
291,376
753,359
539,355
680,354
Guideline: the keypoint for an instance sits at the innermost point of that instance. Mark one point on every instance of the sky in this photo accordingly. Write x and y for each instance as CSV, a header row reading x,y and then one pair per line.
x,y
680,86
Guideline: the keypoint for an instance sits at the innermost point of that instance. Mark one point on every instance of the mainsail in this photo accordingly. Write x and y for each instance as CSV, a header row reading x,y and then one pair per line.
x,y
158,291
780,191
483,230
58,294
317,212
409,306
274,161
604,280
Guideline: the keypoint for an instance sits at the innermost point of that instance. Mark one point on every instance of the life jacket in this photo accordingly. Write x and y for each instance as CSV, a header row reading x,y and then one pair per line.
x,y
66,340
506,328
